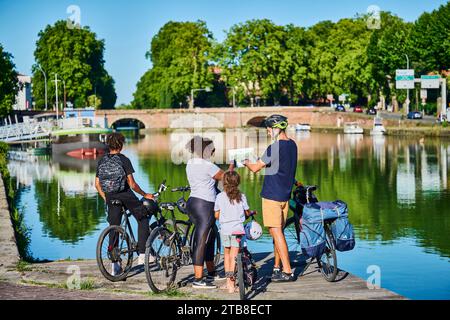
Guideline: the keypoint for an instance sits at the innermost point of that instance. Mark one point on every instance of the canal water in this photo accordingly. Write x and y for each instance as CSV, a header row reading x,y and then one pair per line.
x,y
397,189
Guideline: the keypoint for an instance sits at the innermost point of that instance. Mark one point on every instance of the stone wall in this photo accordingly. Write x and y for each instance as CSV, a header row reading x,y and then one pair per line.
x,y
8,247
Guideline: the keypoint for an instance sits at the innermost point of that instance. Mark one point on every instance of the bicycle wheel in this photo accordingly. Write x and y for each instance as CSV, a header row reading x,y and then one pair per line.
x,y
114,252
328,261
240,276
161,260
292,234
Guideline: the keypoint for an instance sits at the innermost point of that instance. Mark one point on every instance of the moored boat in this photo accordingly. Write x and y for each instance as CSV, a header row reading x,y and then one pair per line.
x,y
80,134
378,128
303,127
352,128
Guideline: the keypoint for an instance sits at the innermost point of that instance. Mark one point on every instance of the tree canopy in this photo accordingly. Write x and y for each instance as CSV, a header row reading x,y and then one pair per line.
x,y
76,56
179,54
8,82
289,64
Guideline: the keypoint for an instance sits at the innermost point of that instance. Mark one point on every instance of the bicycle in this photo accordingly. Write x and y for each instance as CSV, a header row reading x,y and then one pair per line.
x,y
170,245
116,244
245,267
327,262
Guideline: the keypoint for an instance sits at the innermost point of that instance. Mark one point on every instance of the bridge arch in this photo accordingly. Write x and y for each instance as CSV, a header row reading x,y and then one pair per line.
x,y
127,123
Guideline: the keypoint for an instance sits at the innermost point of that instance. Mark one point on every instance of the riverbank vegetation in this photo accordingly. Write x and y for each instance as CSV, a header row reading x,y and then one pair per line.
x,y
17,218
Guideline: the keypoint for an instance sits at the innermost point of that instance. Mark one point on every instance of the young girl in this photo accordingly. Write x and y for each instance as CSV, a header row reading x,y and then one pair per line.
x,y
231,209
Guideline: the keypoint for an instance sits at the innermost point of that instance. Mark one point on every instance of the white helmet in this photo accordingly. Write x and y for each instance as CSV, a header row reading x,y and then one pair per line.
x,y
253,230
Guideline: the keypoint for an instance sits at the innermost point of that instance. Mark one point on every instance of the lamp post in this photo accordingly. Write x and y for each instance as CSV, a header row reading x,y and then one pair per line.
x,y
45,84
234,95
56,93
407,90
64,84
191,105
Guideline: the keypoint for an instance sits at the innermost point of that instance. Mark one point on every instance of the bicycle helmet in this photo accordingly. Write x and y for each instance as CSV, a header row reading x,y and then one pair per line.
x,y
253,230
276,121
151,206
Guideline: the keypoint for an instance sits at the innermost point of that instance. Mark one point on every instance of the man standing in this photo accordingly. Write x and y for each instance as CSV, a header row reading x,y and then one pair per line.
x,y
280,163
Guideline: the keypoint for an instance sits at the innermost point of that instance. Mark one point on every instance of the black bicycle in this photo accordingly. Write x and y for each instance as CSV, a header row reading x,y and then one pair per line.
x,y
170,246
246,272
117,244
327,262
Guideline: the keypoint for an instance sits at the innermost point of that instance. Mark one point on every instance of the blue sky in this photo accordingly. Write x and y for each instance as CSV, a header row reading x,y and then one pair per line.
x,y
128,25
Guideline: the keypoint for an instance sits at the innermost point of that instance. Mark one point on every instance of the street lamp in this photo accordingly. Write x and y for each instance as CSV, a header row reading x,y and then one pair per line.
x,y
64,83
234,95
407,90
191,106
45,84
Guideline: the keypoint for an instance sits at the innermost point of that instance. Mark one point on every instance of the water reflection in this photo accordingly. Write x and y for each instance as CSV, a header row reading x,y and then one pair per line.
x,y
395,187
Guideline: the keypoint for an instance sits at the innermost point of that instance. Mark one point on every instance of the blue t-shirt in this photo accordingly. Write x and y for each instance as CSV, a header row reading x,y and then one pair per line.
x,y
281,164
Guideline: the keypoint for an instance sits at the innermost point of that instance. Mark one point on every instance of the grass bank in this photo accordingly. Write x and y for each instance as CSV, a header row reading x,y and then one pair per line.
x,y
21,232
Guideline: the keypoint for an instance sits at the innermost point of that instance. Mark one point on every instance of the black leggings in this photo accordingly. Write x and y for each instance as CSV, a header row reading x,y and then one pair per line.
x,y
201,213
132,203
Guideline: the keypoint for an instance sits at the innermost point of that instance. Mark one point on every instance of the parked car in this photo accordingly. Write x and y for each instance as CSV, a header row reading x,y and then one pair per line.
x,y
415,115
358,109
371,111
340,108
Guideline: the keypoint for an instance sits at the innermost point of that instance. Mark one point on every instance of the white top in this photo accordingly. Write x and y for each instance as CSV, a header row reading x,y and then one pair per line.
x,y
232,216
200,173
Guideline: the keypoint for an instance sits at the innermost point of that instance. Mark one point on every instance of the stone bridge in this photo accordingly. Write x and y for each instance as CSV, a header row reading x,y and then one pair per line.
x,y
228,117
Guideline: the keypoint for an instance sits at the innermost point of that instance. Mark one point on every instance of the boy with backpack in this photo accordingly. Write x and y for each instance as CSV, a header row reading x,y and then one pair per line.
x,y
114,181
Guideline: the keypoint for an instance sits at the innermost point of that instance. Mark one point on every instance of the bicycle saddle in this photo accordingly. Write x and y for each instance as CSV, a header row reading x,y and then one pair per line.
x,y
116,202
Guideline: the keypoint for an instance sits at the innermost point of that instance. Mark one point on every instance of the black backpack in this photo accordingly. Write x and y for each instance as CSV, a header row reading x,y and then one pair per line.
x,y
111,174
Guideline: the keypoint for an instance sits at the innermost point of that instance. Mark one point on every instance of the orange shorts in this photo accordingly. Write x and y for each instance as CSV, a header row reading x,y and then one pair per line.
x,y
274,213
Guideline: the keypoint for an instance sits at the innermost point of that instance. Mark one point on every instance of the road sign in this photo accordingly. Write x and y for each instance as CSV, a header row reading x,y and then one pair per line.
x,y
404,79
330,97
430,82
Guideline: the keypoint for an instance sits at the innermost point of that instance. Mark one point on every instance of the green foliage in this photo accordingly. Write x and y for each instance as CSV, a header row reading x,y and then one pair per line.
x,y
180,55
8,82
430,40
387,48
21,232
290,64
77,57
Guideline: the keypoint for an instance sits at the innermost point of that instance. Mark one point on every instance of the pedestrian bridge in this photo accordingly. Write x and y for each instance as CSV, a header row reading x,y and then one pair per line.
x,y
24,131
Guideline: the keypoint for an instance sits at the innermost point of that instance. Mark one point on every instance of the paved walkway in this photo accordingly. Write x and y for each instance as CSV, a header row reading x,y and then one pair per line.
x,y
310,286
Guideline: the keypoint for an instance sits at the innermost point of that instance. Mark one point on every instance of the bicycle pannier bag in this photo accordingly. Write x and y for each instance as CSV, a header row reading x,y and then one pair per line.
x,y
343,233
312,239
111,174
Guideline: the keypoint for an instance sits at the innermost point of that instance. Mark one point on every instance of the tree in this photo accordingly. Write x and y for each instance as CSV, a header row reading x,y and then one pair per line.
x,y
339,59
180,54
387,48
430,40
77,57
294,67
8,82
252,54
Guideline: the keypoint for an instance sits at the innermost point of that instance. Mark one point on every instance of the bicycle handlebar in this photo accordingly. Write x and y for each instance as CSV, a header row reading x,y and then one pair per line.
x,y
181,189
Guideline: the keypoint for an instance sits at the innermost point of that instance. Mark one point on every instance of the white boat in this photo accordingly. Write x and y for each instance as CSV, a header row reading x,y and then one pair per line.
x,y
378,128
302,127
352,128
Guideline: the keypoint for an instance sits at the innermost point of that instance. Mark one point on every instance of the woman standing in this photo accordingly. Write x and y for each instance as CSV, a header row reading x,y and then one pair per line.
x,y
202,175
